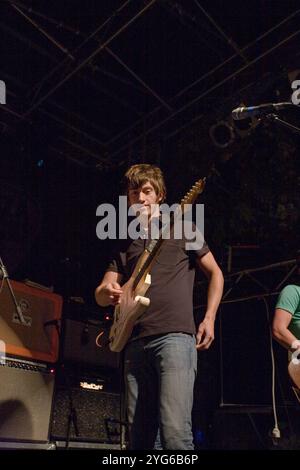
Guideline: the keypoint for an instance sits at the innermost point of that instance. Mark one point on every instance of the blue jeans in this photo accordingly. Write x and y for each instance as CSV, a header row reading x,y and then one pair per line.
x,y
159,375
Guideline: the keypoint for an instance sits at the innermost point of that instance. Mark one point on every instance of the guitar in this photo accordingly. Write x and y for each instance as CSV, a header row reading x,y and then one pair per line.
x,y
294,373
133,302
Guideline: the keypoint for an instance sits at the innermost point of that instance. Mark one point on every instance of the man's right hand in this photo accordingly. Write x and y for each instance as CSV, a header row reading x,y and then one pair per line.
x,y
111,293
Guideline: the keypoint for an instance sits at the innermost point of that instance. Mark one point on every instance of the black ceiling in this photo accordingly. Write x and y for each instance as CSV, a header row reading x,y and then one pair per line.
x,y
99,80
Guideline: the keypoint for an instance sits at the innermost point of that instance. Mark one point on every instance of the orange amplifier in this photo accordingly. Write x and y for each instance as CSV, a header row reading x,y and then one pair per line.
x,y
38,338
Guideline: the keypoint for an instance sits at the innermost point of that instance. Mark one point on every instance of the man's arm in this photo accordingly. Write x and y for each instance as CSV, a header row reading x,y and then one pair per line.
x,y
109,290
209,266
281,333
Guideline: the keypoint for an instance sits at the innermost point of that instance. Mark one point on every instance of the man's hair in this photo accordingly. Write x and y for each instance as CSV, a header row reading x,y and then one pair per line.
x,y
137,175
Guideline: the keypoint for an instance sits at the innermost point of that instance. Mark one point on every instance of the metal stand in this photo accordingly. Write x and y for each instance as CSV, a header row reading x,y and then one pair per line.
x,y
4,274
72,418
274,118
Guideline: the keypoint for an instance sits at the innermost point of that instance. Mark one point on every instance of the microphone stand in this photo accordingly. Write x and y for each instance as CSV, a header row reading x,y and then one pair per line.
x,y
274,118
4,273
72,418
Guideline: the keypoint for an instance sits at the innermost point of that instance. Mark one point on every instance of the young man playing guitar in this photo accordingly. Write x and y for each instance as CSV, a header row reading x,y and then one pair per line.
x,y
160,357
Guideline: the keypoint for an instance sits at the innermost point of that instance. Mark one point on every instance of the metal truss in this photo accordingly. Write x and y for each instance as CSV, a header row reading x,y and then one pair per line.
x,y
255,283
168,118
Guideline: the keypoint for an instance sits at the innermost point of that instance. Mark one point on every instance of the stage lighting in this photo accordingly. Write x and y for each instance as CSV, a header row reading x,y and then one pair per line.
x,y
222,134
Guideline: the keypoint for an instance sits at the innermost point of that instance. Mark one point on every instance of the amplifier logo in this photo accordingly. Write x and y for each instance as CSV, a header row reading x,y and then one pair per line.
x,y
91,386
2,352
25,307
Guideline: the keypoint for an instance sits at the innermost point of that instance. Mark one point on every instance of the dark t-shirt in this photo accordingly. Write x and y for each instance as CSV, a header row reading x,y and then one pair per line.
x,y
171,290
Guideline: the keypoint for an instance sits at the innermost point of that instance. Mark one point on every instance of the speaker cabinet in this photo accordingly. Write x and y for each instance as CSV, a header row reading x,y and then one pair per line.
x,y
38,338
83,404
241,428
26,394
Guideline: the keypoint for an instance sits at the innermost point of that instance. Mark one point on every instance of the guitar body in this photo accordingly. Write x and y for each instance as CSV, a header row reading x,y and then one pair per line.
x,y
294,373
131,307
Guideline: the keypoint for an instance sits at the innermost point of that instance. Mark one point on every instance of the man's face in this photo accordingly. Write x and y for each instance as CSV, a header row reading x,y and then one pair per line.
x,y
145,195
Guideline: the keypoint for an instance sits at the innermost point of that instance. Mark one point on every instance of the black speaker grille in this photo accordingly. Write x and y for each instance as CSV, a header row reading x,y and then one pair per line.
x,y
96,413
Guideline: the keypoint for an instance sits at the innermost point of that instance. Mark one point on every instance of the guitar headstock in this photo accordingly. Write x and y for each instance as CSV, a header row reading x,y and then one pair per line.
x,y
193,193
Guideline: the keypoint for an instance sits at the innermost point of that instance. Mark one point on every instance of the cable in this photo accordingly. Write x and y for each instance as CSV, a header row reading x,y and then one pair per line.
x,y
276,431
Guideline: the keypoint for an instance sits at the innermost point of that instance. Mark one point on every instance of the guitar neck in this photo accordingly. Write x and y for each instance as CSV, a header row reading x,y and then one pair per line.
x,y
150,253
146,259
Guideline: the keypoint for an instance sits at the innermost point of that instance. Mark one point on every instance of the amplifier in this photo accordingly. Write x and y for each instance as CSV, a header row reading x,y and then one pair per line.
x,y
26,394
79,345
86,409
38,338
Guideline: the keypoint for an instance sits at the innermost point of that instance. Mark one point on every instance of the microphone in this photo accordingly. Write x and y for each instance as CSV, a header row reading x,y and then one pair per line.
x,y
261,110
